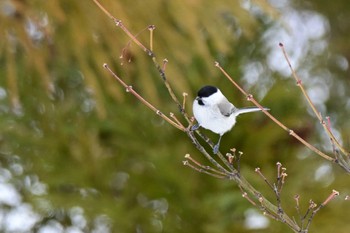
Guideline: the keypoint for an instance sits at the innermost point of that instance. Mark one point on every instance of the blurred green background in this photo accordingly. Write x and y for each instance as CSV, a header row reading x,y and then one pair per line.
x,y
79,154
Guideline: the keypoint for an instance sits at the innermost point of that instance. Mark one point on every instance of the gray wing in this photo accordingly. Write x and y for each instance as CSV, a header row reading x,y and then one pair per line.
x,y
226,108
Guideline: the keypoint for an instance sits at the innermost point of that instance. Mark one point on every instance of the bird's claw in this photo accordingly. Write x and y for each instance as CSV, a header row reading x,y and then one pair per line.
x,y
195,127
216,149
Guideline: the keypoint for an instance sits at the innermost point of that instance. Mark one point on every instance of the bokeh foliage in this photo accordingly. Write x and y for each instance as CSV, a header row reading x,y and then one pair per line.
x,y
69,125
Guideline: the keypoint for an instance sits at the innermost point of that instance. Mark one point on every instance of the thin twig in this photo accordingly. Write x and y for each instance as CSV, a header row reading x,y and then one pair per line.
x,y
257,170
145,102
201,170
291,132
187,156
245,195
325,202
184,100
119,24
240,153
233,174
219,155
165,61
151,29
284,175
297,207
172,115
317,113
204,152
278,187
279,177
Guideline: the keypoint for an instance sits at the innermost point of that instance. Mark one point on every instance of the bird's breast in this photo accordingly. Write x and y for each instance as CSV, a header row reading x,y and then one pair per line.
x,y
212,119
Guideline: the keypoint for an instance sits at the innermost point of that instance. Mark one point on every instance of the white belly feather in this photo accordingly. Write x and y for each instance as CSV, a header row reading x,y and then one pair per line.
x,y
212,119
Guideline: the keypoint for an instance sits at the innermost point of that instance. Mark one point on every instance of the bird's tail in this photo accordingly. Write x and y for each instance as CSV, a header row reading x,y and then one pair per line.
x,y
249,109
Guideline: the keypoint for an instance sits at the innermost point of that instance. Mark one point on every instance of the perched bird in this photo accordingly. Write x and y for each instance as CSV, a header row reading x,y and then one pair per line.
x,y
213,111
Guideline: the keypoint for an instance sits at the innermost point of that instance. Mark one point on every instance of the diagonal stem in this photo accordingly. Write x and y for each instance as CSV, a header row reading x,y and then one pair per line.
x,y
317,113
291,132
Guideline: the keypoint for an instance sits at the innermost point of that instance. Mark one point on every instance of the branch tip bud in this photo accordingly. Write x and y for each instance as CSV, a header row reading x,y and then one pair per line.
x,y
151,27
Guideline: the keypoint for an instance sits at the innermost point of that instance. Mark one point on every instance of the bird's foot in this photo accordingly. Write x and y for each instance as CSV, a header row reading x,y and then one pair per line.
x,y
195,127
216,149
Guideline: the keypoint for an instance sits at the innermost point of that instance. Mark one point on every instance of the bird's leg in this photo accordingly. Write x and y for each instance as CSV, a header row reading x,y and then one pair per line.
x,y
216,147
195,127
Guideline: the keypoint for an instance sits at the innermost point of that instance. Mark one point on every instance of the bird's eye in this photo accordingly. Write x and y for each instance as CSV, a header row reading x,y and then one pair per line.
x,y
200,101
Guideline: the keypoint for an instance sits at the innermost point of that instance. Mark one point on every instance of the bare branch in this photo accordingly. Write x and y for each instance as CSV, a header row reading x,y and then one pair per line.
x,y
291,132
313,206
151,28
223,169
258,171
317,113
208,168
145,102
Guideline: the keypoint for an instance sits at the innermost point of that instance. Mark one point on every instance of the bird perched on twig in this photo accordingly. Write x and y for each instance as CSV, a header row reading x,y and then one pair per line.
x,y
213,111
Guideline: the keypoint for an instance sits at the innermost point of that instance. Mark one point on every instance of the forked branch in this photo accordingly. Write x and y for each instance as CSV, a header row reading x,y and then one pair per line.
x,y
340,162
221,167
325,124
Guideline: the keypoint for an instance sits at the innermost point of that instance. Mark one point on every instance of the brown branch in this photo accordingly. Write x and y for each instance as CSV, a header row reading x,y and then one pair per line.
x,y
201,149
202,170
317,113
245,195
119,24
258,171
325,202
220,172
145,102
291,132
151,28
211,171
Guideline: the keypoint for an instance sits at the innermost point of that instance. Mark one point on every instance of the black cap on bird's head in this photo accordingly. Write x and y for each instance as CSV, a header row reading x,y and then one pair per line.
x,y
206,91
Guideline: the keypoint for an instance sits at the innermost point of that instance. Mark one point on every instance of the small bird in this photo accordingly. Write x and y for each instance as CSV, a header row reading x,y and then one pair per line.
x,y
213,111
